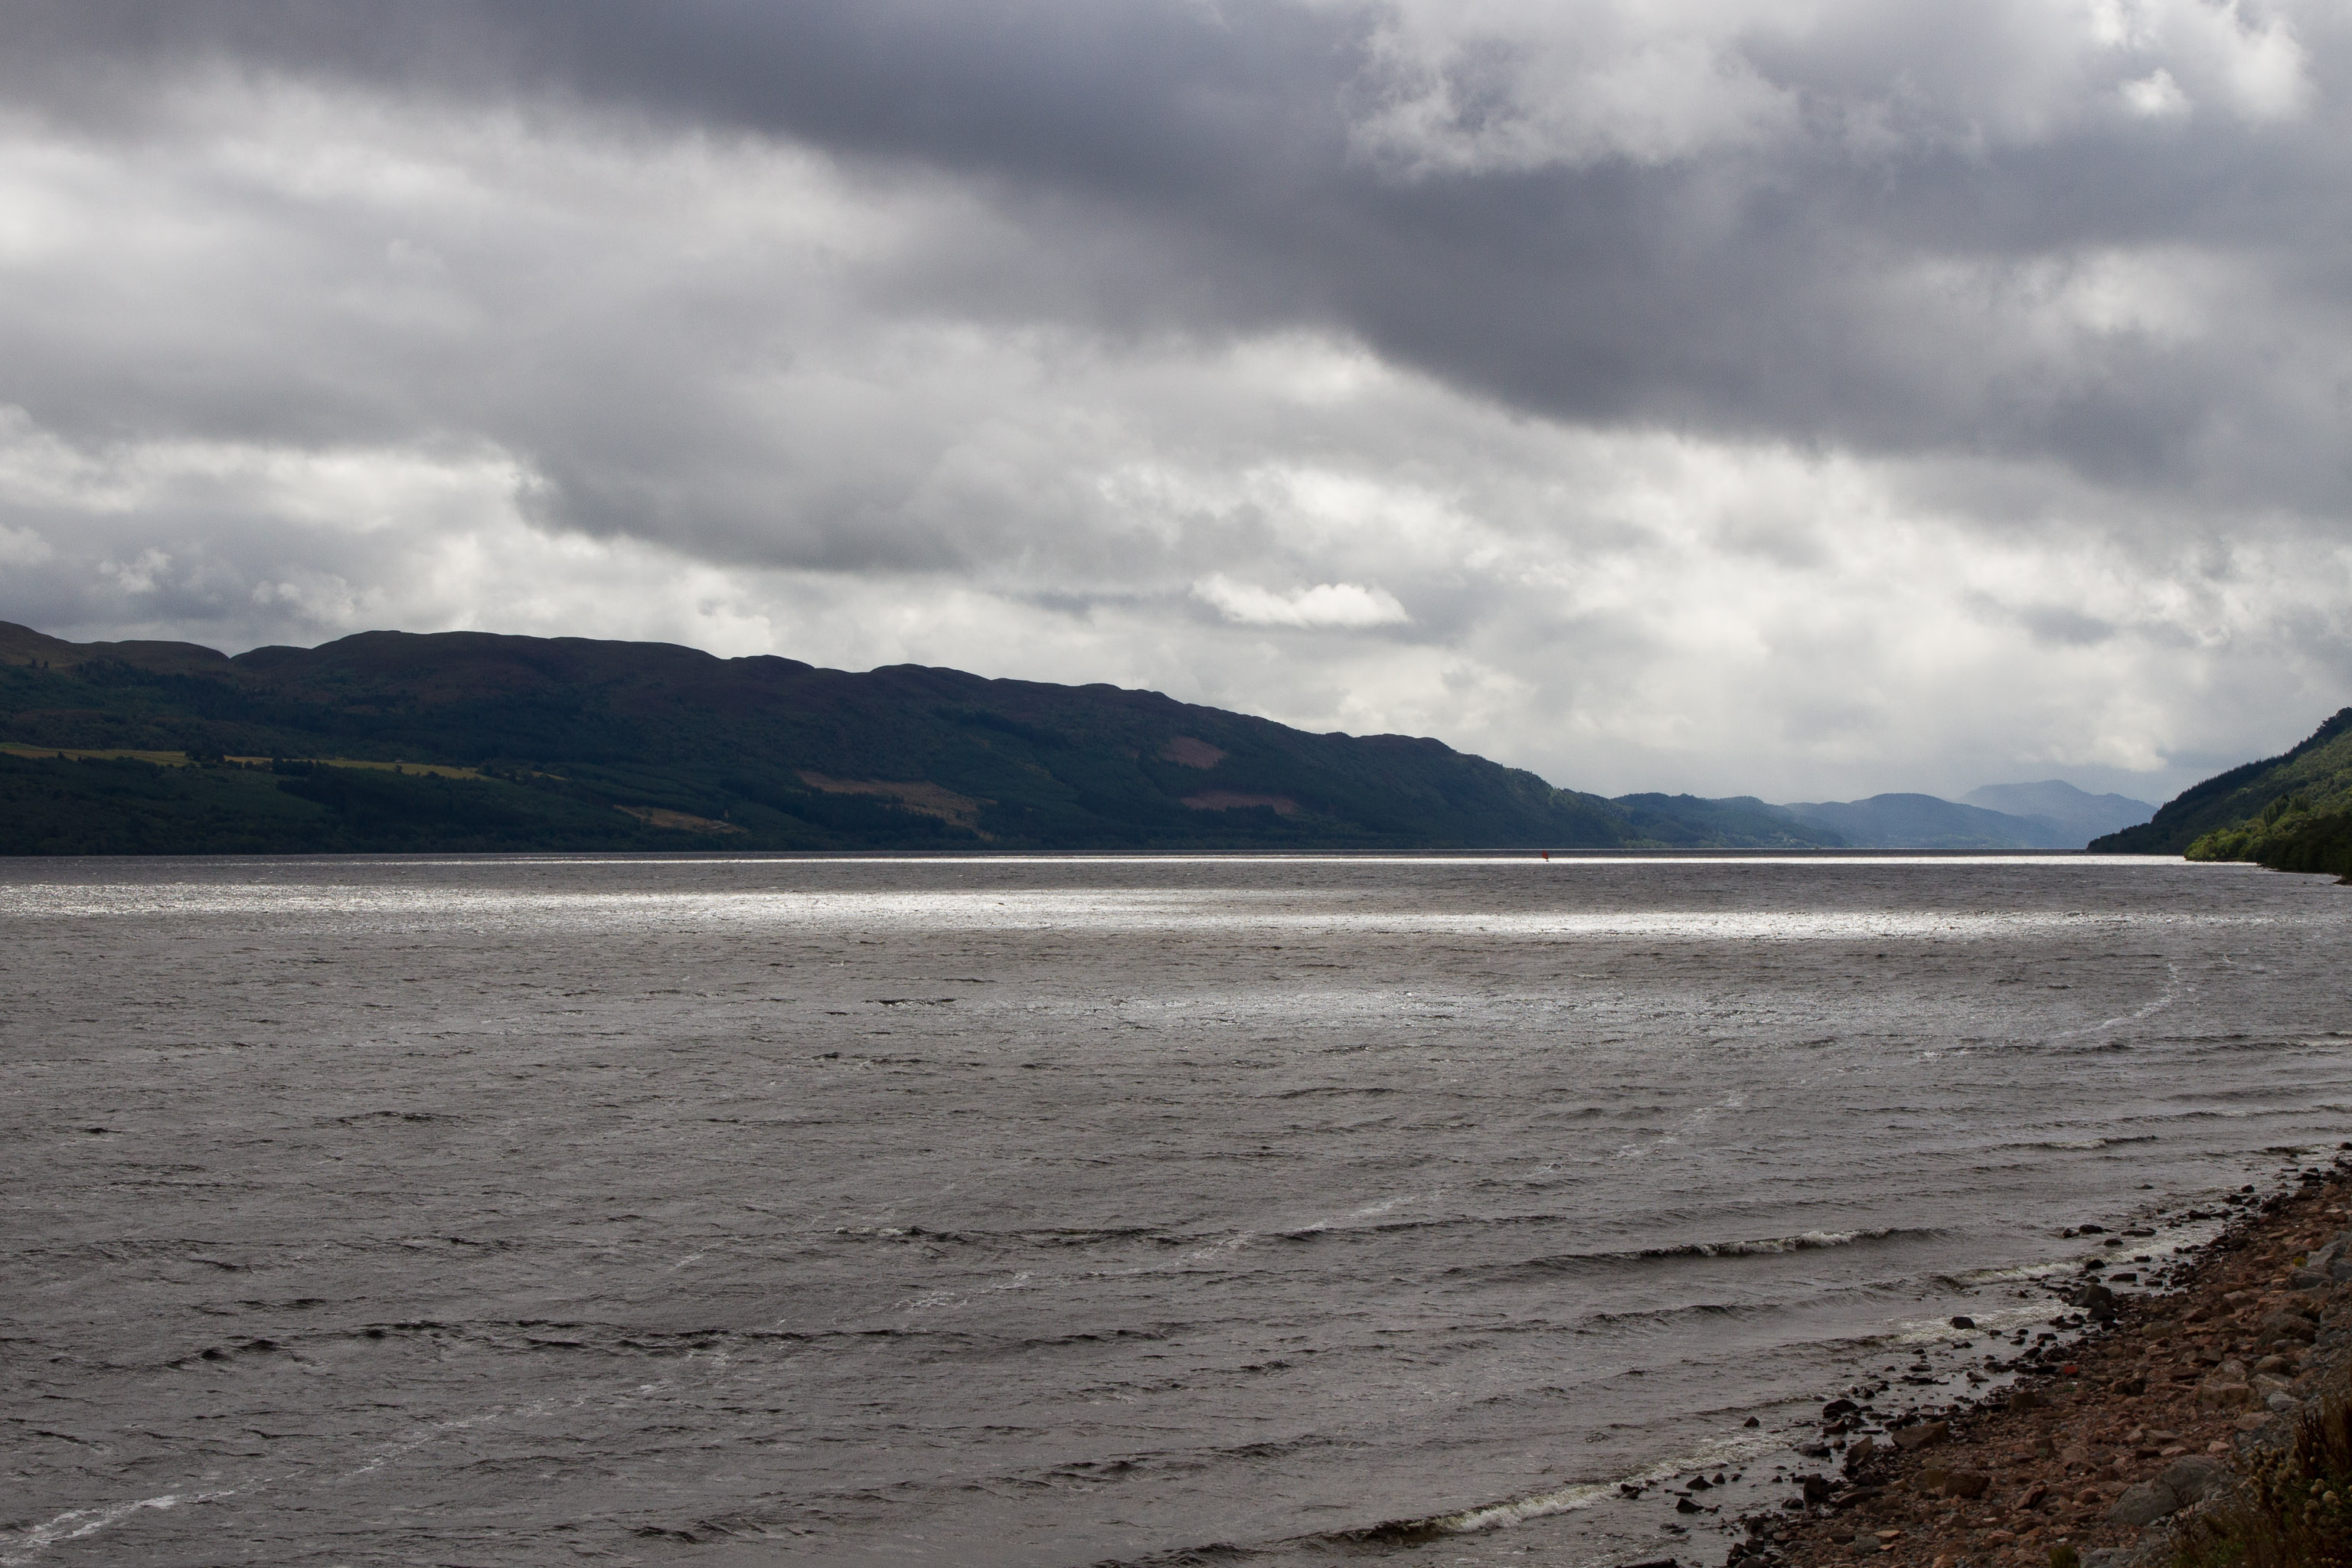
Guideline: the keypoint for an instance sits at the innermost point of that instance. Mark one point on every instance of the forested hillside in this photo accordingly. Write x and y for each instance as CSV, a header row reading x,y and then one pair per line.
x,y
2292,812
465,740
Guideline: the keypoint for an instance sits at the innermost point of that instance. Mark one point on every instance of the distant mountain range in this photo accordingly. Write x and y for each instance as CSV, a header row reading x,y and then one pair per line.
x,y
2047,815
2083,816
460,740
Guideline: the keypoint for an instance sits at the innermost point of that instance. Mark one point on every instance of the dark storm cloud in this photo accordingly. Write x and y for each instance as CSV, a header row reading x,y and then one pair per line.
x,y
1202,167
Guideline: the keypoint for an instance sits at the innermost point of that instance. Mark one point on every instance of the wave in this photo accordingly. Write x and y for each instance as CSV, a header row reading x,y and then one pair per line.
x,y
1767,1246
1570,1499
1808,1241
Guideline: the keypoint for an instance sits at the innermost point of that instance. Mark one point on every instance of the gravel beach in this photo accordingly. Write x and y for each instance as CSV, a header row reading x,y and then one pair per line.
x,y
2110,1449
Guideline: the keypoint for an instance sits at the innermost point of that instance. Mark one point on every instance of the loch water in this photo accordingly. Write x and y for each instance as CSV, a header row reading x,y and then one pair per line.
x,y
1065,1210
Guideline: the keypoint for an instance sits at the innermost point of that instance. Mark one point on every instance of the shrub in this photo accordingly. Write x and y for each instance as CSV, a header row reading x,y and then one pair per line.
x,y
2295,1507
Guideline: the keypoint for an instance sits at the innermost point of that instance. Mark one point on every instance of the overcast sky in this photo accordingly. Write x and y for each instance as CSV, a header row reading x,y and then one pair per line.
x,y
1796,398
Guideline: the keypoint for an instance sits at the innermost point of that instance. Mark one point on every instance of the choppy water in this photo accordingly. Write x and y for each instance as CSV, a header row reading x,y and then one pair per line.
x,y
1049,1211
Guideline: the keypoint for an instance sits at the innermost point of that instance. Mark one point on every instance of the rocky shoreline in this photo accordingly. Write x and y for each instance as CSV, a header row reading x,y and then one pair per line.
x,y
2101,1448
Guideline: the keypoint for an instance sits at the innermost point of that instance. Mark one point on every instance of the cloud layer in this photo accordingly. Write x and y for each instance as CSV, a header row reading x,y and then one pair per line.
x,y
1803,398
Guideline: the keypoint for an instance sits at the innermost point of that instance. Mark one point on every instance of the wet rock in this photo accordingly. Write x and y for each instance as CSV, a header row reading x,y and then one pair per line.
x,y
1964,1322
1925,1435
1815,1487
1862,1449
1685,1505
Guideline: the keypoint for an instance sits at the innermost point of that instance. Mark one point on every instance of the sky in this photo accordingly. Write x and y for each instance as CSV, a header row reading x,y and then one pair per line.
x,y
1802,398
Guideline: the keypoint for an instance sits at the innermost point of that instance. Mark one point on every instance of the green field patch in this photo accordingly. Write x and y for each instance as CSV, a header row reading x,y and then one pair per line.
x,y
677,821
78,755
438,769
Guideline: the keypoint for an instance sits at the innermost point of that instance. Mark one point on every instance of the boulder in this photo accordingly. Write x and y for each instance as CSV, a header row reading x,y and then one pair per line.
x,y
2142,1505
2224,1394
1923,1435
2277,1328
2186,1481
1967,1484
2194,1478
2331,1264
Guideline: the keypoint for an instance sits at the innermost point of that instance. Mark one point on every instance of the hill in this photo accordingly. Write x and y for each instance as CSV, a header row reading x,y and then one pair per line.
x,y
1929,822
2292,812
468,740
2078,815
1740,821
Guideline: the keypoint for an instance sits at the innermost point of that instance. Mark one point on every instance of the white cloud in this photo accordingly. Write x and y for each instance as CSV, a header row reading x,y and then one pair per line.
x,y
2154,95
1346,605
23,547
1515,85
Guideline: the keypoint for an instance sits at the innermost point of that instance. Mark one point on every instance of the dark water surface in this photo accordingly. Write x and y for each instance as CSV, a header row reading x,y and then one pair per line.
x,y
731,1211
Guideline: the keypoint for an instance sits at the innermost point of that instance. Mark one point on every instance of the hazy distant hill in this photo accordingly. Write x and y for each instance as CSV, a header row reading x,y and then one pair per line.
x,y
570,743
1929,822
2293,812
1740,821
2077,816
